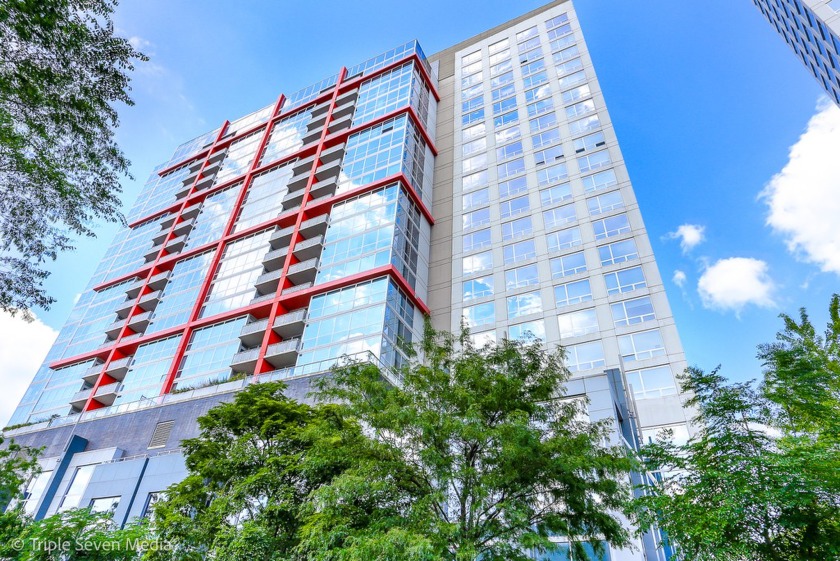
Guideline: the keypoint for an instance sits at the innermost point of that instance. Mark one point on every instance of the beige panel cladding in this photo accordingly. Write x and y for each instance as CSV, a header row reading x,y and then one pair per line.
x,y
449,285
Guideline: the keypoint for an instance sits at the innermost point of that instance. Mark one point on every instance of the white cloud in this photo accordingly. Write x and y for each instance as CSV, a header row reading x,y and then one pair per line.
x,y
730,284
139,43
23,347
803,199
679,278
690,236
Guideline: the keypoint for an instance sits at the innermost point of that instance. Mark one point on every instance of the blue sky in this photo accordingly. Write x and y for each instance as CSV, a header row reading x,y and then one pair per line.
x,y
706,99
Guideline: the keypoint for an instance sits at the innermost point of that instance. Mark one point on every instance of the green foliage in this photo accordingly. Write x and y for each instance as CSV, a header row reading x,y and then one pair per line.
x,y
759,481
476,455
252,468
18,464
61,72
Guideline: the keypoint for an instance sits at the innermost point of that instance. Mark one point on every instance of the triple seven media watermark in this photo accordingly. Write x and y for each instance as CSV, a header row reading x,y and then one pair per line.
x,y
67,546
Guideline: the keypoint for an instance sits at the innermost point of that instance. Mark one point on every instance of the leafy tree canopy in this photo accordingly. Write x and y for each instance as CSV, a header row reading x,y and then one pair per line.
x,y
62,69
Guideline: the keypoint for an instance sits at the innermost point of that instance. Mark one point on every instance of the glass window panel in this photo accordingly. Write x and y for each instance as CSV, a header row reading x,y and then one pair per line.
x,y
579,323
521,276
625,280
572,293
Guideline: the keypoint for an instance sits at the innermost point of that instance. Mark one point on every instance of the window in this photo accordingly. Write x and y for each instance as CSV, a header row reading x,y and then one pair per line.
x,y
508,151
498,81
105,504
500,56
533,54
564,239
580,109
477,288
504,105
618,252
478,262
585,356
521,276
565,54
535,79
477,240
652,382
589,143
482,339
600,180
507,135
471,80
550,155
557,21
567,68
641,346
517,229
77,487
35,490
478,145
539,107
542,92
524,304
631,312
625,280
512,167
559,216
474,163
552,175
513,186
151,501
546,138
475,131
474,180
506,119
527,331
476,218
472,117
527,34
543,122
594,161
471,58
611,226
605,203
555,194
561,42
471,68
572,79
503,92
501,67
476,198
519,251
577,324
568,265
499,46
575,94
472,91
472,104
480,314
584,125
531,43
572,293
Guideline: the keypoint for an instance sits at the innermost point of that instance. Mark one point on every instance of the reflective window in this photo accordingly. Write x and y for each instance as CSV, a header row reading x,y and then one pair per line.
x,y
521,276
264,199
611,226
477,288
559,216
512,207
631,312
208,355
552,174
148,370
572,79
286,136
585,356
594,161
556,194
605,203
641,346
476,162
476,218
588,143
519,251
77,487
650,383
587,124
548,156
507,135
477,240
480,314
564,239
476,199
475,146
236,274
506,119
600,180
568,265
527,331
572,293
508,151
510,168
618,252
577,93
543,122
577,324
211,221
524,304
475,131
546,138
475,180
181,292
477,262
517,228
513,186
239,157
158,193
625,280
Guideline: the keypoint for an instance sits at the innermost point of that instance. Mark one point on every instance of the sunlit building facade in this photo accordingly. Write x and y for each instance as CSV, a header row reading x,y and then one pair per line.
x,y
482,185
811,28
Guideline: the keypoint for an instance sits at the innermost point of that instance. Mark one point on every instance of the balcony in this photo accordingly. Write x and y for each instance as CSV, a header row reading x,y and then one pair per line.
x,y
281,238
298,288
117,369
159,280
325,188
134,288
108,393
313,134
80,398
125,307
292,199
340,124
150,301
304,165
334,153
153,252
183,191
315,226
307,249
160,236
291,324
191,211
113,330
347,97
283,354
140,322
275,258
245,361
252,333
176,244
262,298
267,282
92,373
343,109
328,169
184,226
303,271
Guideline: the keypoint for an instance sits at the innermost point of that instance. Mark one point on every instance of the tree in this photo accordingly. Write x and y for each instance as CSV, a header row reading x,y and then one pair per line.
x,y
251,471
61,71
760,479
476,455
18,464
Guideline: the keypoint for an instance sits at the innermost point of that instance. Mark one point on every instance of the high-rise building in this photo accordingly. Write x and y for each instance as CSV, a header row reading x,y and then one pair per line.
x,y
483,184
812,29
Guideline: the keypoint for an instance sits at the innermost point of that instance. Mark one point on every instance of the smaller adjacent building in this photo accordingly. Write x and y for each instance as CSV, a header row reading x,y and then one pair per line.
x,y
812,29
